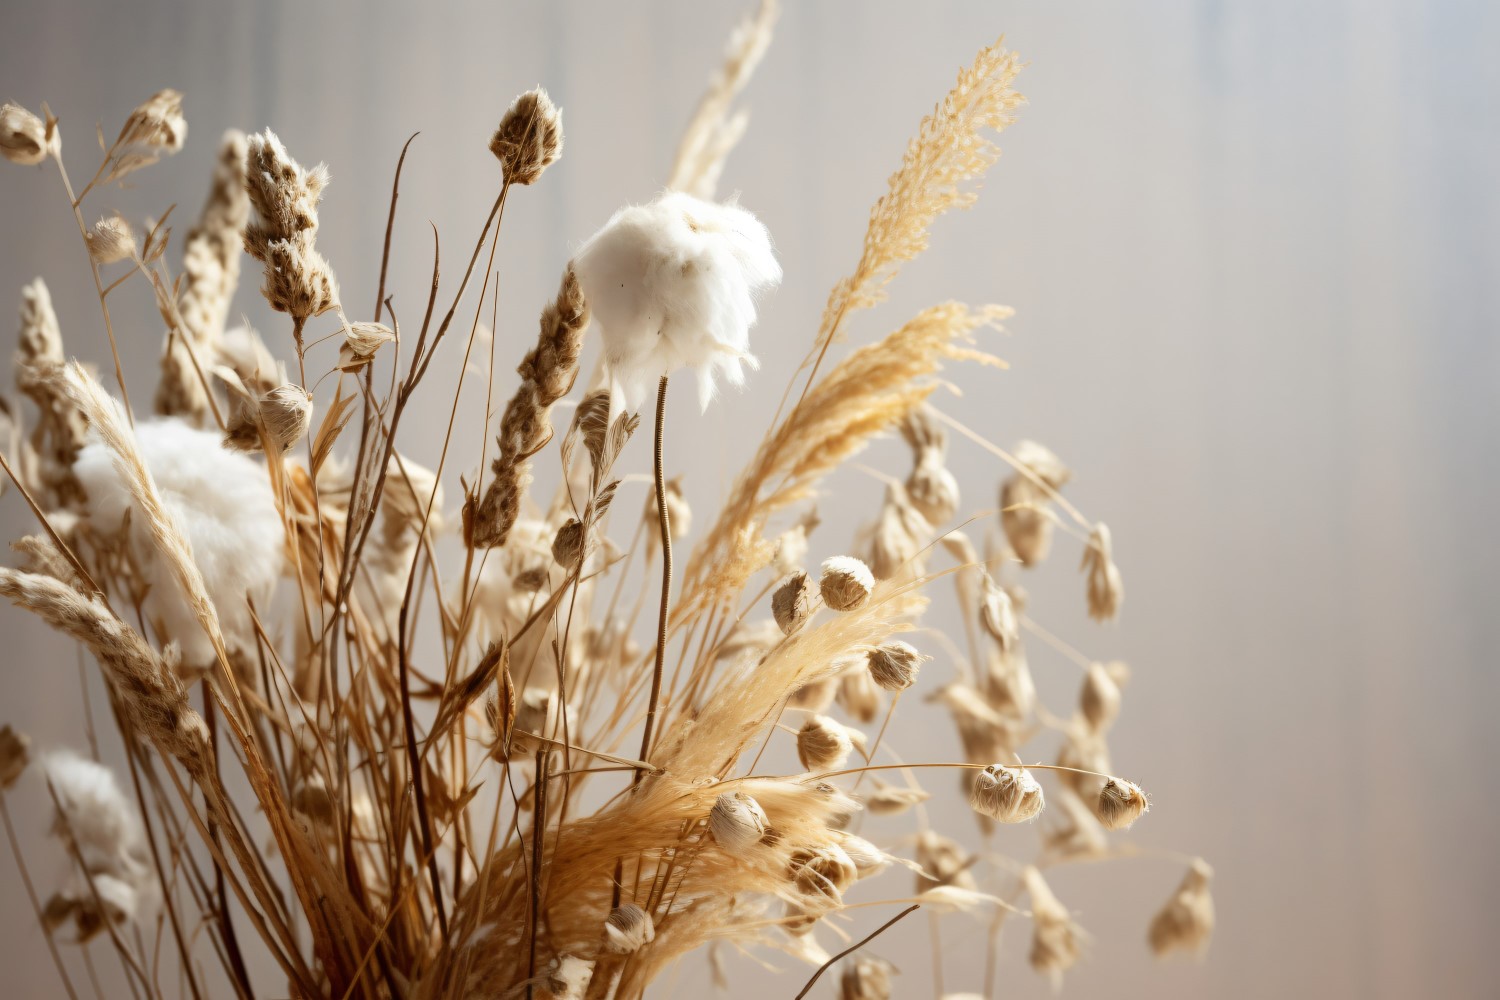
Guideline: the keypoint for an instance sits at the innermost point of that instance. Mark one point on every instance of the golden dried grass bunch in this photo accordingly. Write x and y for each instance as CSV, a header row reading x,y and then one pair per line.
x,y
487,782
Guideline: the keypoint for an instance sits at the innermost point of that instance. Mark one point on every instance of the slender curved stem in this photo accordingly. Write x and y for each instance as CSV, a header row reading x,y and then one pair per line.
x,y
666,575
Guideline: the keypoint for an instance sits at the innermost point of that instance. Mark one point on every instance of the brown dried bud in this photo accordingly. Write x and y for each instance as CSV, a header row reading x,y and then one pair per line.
x,y
823,744
627,928
997,613
737,821
892,800
816,696
110,240
868,859
846,583
310,798
1186,922
529,138
792,602
1054,939
15,754
859,695
157,124
23,136
894,665
1007,794
823,872
1121,803
1105,590
866,978
284,415
944,861
569,543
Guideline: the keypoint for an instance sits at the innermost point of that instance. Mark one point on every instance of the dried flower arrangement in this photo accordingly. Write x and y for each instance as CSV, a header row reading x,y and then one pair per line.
x,y
528,801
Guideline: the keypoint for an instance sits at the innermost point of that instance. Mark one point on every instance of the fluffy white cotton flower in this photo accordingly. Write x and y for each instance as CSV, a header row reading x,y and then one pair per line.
x,y
101,826
223,502
673,285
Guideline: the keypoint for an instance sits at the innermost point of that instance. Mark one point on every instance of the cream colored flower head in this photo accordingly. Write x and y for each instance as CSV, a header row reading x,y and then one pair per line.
x,y
673,285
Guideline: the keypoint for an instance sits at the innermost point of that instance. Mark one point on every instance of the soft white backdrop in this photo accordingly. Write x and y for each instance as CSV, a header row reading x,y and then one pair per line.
x,y
1252,248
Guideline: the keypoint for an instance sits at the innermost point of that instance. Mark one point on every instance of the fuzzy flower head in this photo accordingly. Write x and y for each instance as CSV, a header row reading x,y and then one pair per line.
x,y
673,284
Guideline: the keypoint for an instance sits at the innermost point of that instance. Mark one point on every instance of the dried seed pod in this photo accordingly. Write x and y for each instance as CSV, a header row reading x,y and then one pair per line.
x,y
846,583
529,138
815,697
859,695
998,614
823,872
1099,701
898,535
943,861
310,797
866,978
627,928
15,754
1106,592
157,124
737,821
894,665
568,546
1007,794
792,602
891,800
1084,750
679,515
23,136
1054,939
1186,922
1071,830
868,859
361,341
1121,803
823,744
110,239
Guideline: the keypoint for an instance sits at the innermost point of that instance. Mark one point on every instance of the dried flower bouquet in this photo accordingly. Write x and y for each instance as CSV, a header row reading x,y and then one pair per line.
x,y
531,798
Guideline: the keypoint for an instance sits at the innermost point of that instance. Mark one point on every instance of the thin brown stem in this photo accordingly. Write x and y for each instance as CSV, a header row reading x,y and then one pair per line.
x,y
855,947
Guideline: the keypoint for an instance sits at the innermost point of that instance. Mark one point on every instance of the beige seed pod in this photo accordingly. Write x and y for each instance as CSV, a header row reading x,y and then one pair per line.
x,y
815,697
1186,922
23,136
868,859
1085,750
1099,701
823,872
859,695
823,744
866,978
737,821
944,862
679,514
898,536
110,239
1106,592
1121,803
361,342
846,583
310,797
997,613
529,138
1055,946
894,665
1070,828
285,413
157,124
791,549
1007,794
792,602
627,929
15,754
892,800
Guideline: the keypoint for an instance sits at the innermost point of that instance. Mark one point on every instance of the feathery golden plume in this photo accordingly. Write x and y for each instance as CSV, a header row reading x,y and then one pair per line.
x,y
61,428
529,138
210,275
547,374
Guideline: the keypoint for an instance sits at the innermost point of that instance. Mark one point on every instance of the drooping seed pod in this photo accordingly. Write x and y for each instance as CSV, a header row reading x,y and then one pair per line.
x,y
1186,922
110,239
1099,700
792,602
866,978
816,696
858,694
892,800
823,744
1106,592
737,821
846,583
997,613
1120,804
898,536
15,754
1054,939
529,138
868,859
1007,794
361,342
823,872
894,665
23,136
627,928
679,515
569,543
943,861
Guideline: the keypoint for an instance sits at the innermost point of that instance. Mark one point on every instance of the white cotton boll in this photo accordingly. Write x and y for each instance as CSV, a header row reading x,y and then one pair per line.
x,y
92,810
673,285
224,504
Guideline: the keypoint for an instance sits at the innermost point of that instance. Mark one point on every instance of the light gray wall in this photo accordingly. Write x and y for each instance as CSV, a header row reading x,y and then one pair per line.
x,y
1252,247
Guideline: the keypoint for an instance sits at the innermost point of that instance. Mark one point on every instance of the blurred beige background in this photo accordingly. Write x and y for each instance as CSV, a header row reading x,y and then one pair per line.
x,y
1253,251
